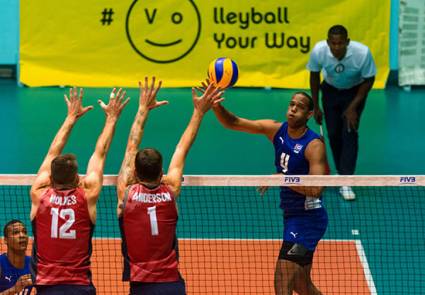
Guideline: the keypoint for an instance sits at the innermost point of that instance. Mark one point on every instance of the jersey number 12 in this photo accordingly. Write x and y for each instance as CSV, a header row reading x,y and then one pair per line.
x,y
64,231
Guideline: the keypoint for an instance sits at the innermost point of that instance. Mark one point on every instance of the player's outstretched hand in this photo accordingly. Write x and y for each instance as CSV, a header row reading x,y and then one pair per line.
x,y
75,103
147,96
116,104
211,96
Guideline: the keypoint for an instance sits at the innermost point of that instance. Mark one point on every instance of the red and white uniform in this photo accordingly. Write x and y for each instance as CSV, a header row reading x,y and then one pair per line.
x,y
62,238
149,233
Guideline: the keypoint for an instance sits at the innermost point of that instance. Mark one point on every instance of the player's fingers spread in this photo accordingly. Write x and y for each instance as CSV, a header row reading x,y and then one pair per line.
x,y
66,99
193,93
112,95
219,94
101,103
199,89
159,87
209,89
81,93
145,88
204,86
119,93
217,101
153,83
122,96
215,90
75,92
86,109
213,94
162,102
125,102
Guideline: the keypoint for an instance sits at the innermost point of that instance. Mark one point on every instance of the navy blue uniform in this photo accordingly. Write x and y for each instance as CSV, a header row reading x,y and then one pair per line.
x,y
305,219
9,275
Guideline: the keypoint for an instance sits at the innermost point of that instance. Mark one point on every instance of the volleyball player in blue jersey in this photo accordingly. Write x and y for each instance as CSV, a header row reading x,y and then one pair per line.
x,y
298,151
15,277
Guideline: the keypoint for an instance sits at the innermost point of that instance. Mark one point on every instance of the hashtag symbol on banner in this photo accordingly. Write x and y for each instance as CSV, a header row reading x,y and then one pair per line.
x,y
107,16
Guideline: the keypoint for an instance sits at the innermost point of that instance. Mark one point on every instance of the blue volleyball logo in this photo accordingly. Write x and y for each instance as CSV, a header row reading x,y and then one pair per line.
x,y
223,72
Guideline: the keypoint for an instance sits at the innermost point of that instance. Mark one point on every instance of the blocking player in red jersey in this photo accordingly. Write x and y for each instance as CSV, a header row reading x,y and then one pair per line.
x,y
147,200
63,211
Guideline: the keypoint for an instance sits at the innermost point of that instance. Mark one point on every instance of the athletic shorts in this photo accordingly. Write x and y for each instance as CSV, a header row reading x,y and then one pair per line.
x,y
301,234
306,231
164,288
66,290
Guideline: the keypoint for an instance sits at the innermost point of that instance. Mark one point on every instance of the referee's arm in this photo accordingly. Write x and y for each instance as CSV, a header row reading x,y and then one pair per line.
x,y
351,113
314,65
314,88
364,89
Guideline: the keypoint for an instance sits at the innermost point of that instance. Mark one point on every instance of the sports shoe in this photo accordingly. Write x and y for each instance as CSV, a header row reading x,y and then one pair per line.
x,y
347,193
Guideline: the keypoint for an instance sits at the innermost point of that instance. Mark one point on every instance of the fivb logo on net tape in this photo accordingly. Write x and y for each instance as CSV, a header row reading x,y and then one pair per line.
x,y
407,179
292,179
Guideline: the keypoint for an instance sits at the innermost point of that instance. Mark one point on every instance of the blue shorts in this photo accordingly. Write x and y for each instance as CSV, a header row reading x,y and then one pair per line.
x,y
165,288
305,230
66,290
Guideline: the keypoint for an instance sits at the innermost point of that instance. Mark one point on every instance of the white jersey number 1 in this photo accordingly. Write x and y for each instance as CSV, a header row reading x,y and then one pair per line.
x,y
154,221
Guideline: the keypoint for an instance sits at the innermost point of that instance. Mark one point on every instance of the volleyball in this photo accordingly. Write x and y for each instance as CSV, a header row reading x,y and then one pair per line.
x,y
223,72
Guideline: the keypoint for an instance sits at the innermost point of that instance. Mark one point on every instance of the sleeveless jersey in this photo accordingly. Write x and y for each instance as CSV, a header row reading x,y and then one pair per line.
x,y
148,228
62,238
9,275
290,160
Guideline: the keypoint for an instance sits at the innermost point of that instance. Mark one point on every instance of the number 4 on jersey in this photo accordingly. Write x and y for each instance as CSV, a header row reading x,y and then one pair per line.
x,y
284,160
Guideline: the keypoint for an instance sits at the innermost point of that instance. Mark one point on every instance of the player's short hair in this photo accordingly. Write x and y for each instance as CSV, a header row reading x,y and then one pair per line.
x,y
310,100
148,164
13,221
338,30
64,169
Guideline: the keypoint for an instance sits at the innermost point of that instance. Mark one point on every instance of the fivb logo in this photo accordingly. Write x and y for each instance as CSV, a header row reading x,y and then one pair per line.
x,y
407,179
292,179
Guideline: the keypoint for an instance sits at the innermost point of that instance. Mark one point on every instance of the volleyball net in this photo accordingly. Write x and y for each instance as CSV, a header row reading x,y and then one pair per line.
x,y
230,236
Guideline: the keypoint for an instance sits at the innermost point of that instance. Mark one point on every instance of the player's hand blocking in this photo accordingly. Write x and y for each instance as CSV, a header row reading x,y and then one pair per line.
x,y
147,97
75,103
116,104
210,97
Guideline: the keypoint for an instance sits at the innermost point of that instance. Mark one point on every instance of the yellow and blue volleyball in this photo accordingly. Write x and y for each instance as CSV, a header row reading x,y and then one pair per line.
x,y
223,72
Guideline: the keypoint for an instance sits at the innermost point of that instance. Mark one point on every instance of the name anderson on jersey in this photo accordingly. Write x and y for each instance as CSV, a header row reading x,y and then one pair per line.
x,y
152,198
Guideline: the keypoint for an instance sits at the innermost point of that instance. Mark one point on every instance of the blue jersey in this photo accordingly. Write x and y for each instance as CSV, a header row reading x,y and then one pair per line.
x,y
290,160
9,275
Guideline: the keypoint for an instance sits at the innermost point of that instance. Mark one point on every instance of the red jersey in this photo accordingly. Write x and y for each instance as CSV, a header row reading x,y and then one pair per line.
x,y
149,234
62,238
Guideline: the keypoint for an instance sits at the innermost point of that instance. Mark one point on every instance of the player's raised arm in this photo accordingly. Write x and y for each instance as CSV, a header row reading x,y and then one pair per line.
x,y
147,101
229,120
202,104
75,111
94,178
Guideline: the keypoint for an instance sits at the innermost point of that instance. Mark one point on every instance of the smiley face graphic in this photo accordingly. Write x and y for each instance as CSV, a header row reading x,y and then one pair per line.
x,y
163,31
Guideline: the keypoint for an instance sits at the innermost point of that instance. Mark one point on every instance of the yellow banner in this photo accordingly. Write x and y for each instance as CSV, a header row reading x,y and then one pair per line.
x,y
116,43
